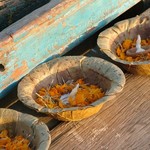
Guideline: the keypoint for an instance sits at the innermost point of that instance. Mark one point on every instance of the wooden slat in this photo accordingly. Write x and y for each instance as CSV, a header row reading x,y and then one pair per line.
x,y
12,102
123,123
51,31
13,10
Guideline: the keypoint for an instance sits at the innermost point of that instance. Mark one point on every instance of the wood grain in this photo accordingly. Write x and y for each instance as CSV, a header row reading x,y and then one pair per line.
x,y
123,123
12,102
64,17
13,10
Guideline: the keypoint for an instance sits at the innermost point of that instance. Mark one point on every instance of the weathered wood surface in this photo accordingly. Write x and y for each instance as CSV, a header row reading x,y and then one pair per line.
x,y
51,31
122,124
13,10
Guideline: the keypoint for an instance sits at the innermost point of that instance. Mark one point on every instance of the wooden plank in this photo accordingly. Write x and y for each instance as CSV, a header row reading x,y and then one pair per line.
x,y
123,123
47,119
12,102
13,10
49,32
120,120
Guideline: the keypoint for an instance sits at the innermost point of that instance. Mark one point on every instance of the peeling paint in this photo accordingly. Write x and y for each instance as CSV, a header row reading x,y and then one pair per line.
x,y
50,31
19,71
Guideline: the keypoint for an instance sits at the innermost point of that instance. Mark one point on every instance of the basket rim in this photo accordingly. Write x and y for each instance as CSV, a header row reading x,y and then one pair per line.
x,y
137,20
34,122
109,94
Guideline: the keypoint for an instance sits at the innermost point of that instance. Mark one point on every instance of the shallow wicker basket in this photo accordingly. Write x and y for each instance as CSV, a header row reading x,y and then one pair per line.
x,y
94,70
110,38
26,125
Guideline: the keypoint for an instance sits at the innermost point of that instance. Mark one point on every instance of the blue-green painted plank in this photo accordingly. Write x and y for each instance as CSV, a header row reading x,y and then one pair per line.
x,y
70,27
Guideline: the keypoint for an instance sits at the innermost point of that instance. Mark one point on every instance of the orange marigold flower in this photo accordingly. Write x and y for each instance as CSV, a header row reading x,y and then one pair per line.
x,y
80,81
144,42
85,95
130,59
122,56
16,143
127,44
118,51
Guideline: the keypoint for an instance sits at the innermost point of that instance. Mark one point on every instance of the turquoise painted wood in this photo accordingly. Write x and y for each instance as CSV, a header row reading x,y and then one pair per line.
x,y
49,32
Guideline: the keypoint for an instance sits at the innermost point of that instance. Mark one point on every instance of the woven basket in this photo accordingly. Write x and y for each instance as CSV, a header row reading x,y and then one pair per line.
x,y
110,38
94,70
26,125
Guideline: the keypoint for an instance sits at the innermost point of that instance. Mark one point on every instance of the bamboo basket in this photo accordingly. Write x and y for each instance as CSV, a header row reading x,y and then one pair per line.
x,y
109,39
26,125
94,70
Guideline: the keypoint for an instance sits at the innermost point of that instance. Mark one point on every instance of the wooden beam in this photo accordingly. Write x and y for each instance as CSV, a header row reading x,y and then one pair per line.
x,y
122,123
49,32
